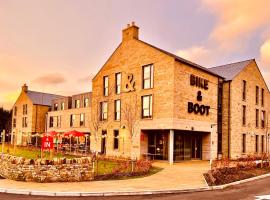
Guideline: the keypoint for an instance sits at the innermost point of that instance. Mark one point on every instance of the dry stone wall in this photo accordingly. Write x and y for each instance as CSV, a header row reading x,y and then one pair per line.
x,y
41,170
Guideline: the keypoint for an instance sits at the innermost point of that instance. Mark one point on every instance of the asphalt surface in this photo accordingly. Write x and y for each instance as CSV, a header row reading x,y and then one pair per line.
x,y
243,192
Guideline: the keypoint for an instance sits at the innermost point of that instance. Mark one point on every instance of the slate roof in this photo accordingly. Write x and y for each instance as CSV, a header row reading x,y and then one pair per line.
x,y
40,98
180,59
229,71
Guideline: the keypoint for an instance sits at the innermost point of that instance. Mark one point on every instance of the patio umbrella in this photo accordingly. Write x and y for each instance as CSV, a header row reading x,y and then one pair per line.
x,y
52,134
73,133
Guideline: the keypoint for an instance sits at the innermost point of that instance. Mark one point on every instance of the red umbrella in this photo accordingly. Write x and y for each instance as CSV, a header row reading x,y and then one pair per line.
x,y
74,133
52,134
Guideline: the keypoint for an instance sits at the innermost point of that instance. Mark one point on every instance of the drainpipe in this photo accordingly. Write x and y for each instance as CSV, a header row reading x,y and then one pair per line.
x,y
229,122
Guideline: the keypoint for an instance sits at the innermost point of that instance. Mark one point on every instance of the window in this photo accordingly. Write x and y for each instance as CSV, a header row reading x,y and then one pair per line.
x,y
51,122
257,144
72,120
62,106
58,121
117,109
82,117
104,111
263,119
25,109
257,118
147,76
116,139
262,143
244,143
77,103
244,115
55,107
118,83
24,122
147,106
244,90
262,97
257,95
15,111
14,123
86,102
105,85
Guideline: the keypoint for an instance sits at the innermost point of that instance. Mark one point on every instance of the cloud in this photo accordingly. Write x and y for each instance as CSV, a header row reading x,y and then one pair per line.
x,y
237,20
50,79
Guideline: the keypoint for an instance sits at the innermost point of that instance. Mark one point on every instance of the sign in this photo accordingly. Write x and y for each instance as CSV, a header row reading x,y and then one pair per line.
x,y
47,142
130,85
198,82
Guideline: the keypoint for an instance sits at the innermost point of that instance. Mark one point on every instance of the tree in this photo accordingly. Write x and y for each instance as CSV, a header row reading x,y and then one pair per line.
x,y
5,120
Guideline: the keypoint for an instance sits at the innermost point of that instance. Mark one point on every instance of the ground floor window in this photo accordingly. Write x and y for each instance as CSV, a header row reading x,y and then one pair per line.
x,y
116,139
158,145
244,143
262,142
257,144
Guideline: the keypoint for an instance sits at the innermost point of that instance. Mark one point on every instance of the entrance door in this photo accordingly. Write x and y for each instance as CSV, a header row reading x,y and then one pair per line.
x,y
196,146
158,145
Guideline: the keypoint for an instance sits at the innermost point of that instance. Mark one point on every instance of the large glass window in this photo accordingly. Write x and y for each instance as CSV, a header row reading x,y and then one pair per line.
x,y
117,109
147,106
244,96
116,139
104,110
148,76
118,83
105,85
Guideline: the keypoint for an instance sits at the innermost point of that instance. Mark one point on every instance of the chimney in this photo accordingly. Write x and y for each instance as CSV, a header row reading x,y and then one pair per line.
x,y
131,32
25,88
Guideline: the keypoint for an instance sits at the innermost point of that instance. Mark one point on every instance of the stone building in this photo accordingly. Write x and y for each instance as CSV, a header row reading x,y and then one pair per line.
x,y
245,118
149,102
70,113
29,114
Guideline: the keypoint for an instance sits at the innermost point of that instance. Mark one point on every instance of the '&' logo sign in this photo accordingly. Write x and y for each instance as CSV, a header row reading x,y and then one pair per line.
x,y
47,142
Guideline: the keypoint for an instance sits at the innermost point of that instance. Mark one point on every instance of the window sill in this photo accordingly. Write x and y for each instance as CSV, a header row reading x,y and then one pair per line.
x,y
147,118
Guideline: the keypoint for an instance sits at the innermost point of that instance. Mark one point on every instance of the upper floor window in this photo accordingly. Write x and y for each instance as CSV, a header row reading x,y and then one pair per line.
x,y
14,123
147,106
244,115
148,76
51,122
82,119
118,83
86,102
262,143
262,97
62,106
24,122
117,109
103,110
244,95
77,103
257,95
116,139
55,107
257,118
25,109
105,85
72,120
263,119
15,111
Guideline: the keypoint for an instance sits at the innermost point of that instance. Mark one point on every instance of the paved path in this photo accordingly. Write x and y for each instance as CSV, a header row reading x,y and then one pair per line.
x,y
183,175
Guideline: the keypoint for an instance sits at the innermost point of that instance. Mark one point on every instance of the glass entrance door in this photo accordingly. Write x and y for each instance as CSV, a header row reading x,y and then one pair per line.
x,y
196,146
158,145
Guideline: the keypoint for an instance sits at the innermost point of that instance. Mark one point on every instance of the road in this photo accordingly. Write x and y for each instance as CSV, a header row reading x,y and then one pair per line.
x,y
245,191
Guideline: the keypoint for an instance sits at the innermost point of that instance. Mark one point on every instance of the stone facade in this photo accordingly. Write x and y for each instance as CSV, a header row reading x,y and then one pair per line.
x,y
233,128
64,170
171,93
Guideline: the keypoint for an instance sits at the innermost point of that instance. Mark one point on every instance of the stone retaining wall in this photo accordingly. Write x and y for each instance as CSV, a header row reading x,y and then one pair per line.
x,y
41,170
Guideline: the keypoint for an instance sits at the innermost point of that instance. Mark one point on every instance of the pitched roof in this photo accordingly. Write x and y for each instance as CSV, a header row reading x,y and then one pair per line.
x,y
178,58
229,71
40,98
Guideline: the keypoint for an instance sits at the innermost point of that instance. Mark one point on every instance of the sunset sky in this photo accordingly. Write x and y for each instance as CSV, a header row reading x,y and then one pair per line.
x,y
56,46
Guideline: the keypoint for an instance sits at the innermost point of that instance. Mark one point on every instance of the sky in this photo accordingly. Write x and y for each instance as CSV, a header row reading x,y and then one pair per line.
x,y
57,46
